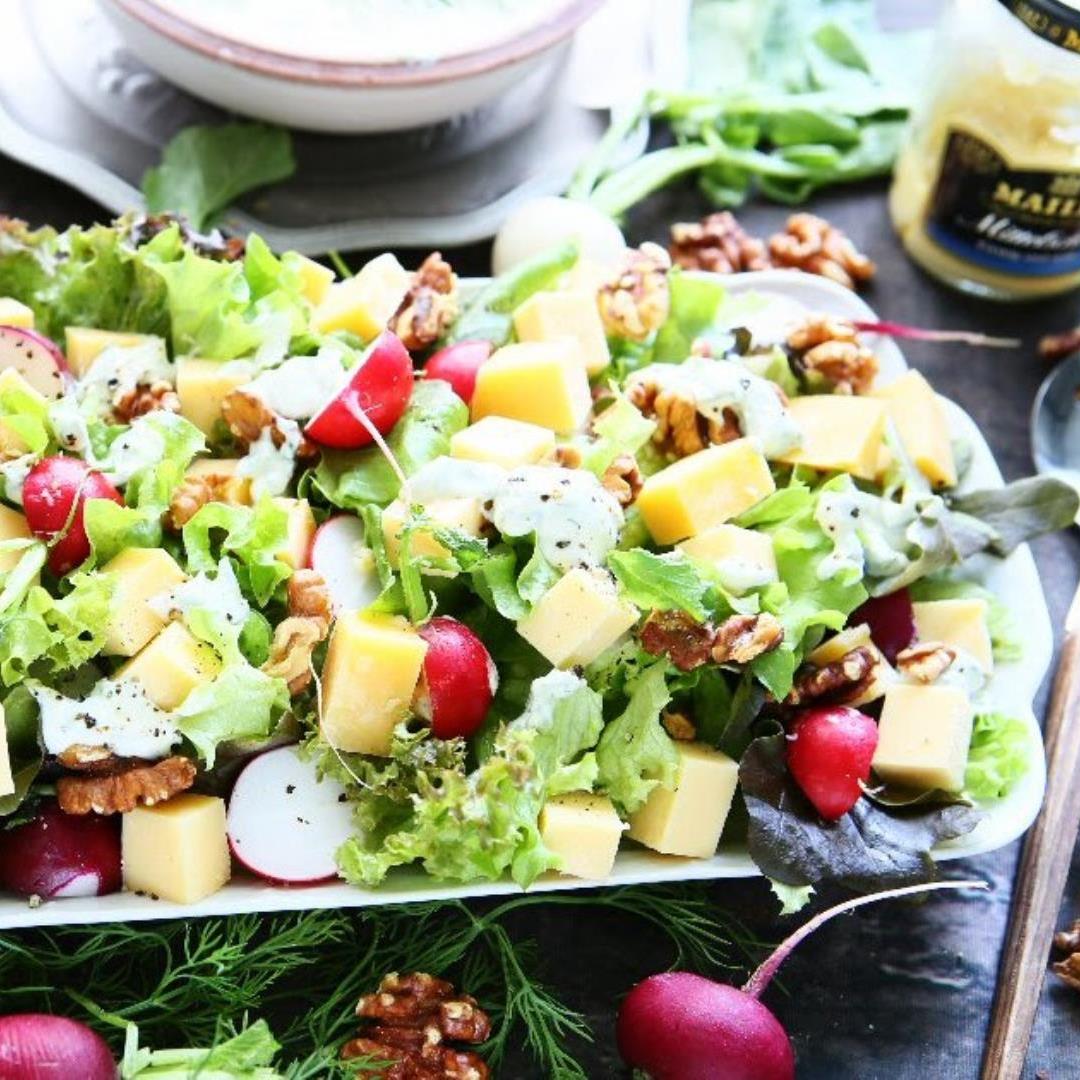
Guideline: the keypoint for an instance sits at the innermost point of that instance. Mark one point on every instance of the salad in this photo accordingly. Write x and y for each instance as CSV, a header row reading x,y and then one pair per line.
x,y
327,577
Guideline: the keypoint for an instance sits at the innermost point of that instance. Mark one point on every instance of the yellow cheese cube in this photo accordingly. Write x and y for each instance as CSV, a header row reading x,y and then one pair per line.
x,y
464,514
840,433
584,831
202,385
7,781
540,382
372,667
299,532
138,574
546,316
577,618
171,666
83,345
923,737
499,441
363,304
704,490
315,279
14,313
922,426
689,819
12,527
839,645
743,558
959,623
177,850
588,275
222,473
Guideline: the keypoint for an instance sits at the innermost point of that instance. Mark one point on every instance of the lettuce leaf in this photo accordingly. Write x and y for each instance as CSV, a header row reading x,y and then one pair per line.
x,y
1000,756
619,429
23,746
247,1055
696,302
668,582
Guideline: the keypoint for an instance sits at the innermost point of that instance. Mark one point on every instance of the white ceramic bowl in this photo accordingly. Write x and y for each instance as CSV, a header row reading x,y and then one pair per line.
x,y
343,96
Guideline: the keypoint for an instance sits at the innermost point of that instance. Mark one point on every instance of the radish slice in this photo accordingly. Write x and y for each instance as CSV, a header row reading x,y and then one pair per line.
x,y
36,1046
340,555
37,359
284,823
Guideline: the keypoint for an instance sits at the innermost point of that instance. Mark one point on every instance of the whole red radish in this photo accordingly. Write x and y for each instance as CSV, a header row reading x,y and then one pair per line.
x,y
375,396
829,751
61,855
459,679
681,1026
458,364
36,358
891,620
36,1046
53,487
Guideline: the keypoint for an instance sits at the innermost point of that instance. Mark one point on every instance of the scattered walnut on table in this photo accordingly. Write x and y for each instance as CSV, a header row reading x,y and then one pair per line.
x,y
635,301
829,345
1068,941
842,680
926,661
812,244
128,784
429,307
412,1022
1055,347
717,243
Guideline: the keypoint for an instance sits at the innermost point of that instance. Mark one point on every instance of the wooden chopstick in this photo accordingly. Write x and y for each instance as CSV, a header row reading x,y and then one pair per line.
x,y
1043,872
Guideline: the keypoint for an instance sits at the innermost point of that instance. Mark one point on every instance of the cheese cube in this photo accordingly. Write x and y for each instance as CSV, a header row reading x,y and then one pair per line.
x,y
743,558
372,667
959,623
7,781
299,532
463,514
577,619
364,304
922,426
689,819
499,441
840,433
546,316
14,313
202,385
83,345
704,490
176,850
833,650
229,485
138,574
171,666
923,737
584,831
540,382
588,276
12,527
315,279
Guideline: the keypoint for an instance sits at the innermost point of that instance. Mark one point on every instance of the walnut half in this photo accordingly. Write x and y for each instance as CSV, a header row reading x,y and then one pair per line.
x,y
296,636
124,786
829,345
812,244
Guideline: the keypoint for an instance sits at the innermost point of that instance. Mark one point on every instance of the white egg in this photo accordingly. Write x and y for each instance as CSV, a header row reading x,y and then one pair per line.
x,y
539,224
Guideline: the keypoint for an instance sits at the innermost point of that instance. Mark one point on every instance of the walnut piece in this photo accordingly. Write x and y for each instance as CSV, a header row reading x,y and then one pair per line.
x,y
623,479
717,243
1068,941
926,661
567,456
680,429
829,345
678,725
1055,347
430,306
130,784
194,492
742,638
296,637
409,1022
842,680
686,643
159,396
308,595
812,244
635,301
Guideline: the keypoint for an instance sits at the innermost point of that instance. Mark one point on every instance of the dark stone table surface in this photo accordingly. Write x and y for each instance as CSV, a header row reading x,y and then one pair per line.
x,y
891,992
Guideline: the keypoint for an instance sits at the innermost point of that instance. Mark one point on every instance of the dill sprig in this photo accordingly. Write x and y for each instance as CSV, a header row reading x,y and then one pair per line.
x,y
185,982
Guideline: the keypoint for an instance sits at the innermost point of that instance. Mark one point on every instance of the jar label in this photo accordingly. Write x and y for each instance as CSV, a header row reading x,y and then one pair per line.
x,y
1052,20
1016,221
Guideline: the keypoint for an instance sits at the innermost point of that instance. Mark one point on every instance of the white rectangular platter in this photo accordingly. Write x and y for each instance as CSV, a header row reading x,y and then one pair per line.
x,y
1013,688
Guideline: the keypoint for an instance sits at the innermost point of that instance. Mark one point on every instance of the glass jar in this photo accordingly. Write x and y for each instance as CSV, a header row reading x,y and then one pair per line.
x,y
986,194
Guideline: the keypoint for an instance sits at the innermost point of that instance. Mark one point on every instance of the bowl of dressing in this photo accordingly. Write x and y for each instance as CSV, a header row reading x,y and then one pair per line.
x,y
352,66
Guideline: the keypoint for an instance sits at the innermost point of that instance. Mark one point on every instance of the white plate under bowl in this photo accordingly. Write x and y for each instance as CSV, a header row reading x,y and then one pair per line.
x,y
1013,688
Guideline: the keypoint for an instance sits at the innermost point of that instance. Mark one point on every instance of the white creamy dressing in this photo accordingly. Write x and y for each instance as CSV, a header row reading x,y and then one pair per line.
x,y
69,424
271,467
738,575
276,329
771,320
868,533
116,715
544,694
965,673
718,385
456,478
142,445
302,385
219,596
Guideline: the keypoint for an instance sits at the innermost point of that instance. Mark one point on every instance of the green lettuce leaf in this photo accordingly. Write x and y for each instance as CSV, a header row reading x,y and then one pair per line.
x,y
635,753
1000,756
668,582
20,721
695,303
619,429
248,1055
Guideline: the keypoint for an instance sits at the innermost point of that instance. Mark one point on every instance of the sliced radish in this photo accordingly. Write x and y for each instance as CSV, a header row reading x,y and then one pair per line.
x,y
55,485
36,358
36,1046
284,823
379,388
61,855
345,562
458,364
459,679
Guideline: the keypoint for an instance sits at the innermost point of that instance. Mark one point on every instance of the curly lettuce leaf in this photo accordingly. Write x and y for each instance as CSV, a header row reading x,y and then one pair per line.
x,y
668,582
999,758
